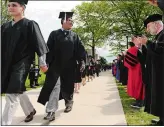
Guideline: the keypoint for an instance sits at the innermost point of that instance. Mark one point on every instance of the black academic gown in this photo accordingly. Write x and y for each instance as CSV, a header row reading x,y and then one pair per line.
x,y
78,73
64,51
154,97
123,72
19,43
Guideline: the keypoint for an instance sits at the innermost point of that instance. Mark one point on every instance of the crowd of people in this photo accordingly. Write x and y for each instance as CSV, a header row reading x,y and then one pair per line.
x,y
141,68
63,59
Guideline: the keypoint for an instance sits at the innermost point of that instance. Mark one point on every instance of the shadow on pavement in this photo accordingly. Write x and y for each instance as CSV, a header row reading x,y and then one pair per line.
x,y
38,119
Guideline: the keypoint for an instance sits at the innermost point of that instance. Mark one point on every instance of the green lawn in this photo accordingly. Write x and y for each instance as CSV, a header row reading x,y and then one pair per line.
x,y
133,116
40,81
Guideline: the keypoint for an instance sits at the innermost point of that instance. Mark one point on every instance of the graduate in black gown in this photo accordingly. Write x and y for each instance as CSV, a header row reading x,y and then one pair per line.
x,y
97,68
21,38
65,49
123,71
154,97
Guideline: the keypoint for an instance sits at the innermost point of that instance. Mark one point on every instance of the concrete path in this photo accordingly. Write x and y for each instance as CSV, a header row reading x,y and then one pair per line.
x,y
98,103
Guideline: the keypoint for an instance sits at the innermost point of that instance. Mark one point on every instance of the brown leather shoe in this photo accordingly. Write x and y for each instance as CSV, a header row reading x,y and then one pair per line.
x,y
30,117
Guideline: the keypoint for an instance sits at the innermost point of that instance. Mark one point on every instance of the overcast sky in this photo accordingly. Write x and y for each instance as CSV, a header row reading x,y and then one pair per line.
x,y
46,14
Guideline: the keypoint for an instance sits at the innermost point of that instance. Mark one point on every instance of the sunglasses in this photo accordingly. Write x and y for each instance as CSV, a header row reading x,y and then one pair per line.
x,y
12,5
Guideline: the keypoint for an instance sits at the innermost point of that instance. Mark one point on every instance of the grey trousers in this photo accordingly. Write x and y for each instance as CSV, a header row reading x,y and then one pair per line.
x,y
52,105
12,101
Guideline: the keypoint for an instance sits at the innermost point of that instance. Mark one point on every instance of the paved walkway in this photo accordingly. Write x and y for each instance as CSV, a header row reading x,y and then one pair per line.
x,y
98,103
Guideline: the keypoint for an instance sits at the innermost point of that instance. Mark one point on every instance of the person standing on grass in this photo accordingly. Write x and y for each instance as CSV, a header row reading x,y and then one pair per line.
x,y
118,64
154,97
134,61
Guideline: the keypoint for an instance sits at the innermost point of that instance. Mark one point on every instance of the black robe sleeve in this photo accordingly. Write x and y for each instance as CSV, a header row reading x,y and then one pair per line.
x,y
81,55
37,39
50,44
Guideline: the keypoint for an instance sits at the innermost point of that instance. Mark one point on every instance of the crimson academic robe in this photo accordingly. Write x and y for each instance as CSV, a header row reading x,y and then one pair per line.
x,y
135,87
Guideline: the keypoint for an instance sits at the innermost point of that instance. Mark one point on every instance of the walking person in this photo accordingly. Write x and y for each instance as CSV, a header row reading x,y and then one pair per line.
x,y
65,49
21,38
78,78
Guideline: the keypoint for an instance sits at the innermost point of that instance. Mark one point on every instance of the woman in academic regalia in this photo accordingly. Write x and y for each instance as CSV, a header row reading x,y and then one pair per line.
x,y
134,60
21,38
123,71
78,78
118,68
84,73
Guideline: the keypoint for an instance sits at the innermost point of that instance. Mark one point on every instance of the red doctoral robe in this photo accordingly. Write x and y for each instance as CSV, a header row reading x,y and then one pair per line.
x,y
135,87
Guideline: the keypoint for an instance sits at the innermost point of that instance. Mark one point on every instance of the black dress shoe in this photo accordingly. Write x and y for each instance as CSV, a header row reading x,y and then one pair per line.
x,y
68,109
50,116
30,117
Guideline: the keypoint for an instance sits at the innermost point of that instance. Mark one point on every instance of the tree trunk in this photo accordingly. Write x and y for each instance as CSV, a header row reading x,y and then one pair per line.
x,y
93,48
93,51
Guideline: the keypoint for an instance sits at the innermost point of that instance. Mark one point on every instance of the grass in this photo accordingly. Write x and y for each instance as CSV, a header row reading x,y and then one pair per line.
x,y
40,81
133,116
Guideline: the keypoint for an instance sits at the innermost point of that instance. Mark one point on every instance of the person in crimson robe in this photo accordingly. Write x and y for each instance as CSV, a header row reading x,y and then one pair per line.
x,y
134,59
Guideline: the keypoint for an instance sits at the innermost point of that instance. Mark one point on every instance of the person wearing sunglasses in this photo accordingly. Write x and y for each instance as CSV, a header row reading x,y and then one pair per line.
x,y
21,38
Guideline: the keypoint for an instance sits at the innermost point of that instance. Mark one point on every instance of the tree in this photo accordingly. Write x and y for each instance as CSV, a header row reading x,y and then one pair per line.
x,y
117,48
5,17
130,15
103,61
93,21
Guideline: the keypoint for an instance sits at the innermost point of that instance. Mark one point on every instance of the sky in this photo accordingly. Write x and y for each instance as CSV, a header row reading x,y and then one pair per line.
x,y
46,14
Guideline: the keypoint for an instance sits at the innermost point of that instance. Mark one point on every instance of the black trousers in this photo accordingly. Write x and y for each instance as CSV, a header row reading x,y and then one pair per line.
x,y
97,73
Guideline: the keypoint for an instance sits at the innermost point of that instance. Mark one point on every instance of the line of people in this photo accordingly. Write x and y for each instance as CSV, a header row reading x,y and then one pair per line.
x,y
21,38
63,60
145,63
92,68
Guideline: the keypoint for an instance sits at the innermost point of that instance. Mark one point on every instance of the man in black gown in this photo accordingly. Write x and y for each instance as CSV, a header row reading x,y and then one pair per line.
x,y
154,97
65,49
21,38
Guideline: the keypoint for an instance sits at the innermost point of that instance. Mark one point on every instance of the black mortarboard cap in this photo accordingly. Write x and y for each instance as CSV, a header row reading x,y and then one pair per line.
x,y
65,15
152,18
22,2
